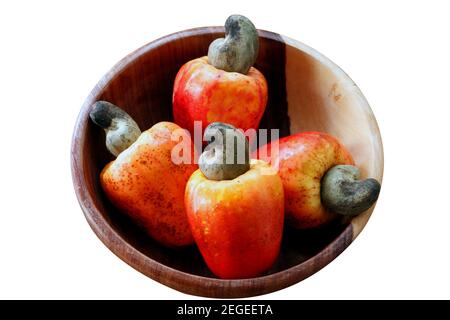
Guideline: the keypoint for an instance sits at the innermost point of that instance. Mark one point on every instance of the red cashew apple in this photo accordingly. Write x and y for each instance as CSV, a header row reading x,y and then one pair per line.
x,y
320,180
236,211
223,86
143,182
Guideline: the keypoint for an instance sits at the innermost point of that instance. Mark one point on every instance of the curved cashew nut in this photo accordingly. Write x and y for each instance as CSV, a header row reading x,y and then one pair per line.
x,y
227,156
343,193
238,51
121,130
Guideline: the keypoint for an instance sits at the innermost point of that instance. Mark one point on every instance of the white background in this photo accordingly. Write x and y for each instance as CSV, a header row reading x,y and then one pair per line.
x,y
52,53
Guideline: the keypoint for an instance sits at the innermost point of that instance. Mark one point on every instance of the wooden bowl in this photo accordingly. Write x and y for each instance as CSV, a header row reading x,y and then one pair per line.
x,y
306,92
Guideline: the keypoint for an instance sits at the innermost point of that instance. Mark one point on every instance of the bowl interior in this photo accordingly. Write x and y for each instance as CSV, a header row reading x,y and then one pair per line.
x,y
306,92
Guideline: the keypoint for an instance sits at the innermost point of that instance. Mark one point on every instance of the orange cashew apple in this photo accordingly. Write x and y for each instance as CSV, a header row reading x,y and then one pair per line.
x,y
235,208
143,181
320,180
223,87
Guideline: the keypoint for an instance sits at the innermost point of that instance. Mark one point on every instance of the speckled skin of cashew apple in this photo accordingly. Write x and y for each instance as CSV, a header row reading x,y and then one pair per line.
x,y
207,94
303,160
237,224
144,183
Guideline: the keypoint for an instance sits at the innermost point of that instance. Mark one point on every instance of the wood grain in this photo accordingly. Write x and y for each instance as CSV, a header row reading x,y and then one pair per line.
x,y
306,91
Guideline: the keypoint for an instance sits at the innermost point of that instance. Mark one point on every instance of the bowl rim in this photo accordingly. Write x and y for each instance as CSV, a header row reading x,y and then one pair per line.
x,y
177,279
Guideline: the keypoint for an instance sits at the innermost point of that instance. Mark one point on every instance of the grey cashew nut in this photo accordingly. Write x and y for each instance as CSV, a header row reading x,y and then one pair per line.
x,y
343,193
238,51
121,130
227,155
